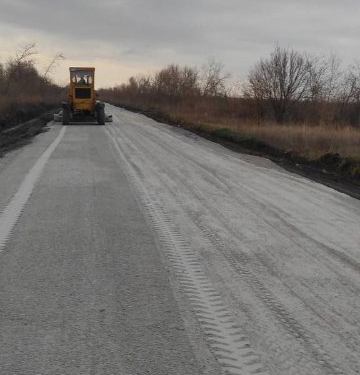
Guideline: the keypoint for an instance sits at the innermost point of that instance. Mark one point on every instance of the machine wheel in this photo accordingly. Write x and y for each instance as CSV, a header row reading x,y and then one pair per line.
x,y
101,116
65,115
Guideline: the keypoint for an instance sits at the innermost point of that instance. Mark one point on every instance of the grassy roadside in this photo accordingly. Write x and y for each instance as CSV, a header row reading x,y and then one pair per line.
x,y
328,155
328,162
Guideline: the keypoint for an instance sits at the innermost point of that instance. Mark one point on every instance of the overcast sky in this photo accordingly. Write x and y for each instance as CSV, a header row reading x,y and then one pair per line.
x,y
127,37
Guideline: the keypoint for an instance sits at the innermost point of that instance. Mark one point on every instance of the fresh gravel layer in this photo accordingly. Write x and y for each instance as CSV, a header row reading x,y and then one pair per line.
x,y
279,252
230,345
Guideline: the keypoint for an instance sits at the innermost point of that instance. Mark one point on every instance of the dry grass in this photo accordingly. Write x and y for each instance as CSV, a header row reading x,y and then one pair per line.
x,y
308,141
305,140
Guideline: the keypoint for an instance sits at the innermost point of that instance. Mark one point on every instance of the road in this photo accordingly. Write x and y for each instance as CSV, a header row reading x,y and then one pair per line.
x,y
140,248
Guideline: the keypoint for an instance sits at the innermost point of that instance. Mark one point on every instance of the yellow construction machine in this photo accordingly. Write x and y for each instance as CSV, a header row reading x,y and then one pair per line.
x,y
82,104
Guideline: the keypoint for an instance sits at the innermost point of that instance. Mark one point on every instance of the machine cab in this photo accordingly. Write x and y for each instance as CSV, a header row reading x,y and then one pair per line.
x,y
82,83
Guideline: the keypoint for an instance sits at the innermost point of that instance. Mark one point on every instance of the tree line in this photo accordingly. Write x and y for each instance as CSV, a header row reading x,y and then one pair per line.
x,y
287,86
23,87
177,81
289,81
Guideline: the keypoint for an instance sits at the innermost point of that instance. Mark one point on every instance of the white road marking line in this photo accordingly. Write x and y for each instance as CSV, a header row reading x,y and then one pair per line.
x,y
12,212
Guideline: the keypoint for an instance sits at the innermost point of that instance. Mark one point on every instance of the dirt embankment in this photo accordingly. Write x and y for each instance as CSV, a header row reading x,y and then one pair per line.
x,y
333,170
19,128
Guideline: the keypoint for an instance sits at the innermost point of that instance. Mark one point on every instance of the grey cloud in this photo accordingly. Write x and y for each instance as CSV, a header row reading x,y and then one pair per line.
x,y
184,30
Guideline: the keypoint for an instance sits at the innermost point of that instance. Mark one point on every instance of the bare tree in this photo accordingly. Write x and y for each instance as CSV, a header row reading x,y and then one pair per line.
x,y
332,79
21,69
284,78
144,84
25,55
176,81
349,96
22,62
167,80
140,84
189,81
213,78
53,63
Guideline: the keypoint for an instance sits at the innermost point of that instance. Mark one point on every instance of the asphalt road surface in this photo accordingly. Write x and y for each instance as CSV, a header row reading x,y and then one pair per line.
x,y
139,248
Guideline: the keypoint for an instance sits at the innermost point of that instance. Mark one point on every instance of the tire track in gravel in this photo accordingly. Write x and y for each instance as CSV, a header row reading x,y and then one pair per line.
x,y
230,346
238,258
294,327
271,210
275,213
268,207
275,184
274,344
322,360
263,189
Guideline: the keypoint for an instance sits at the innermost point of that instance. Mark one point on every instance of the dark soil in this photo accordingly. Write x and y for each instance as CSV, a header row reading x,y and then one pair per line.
x,y
15,136
331,169
18,114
